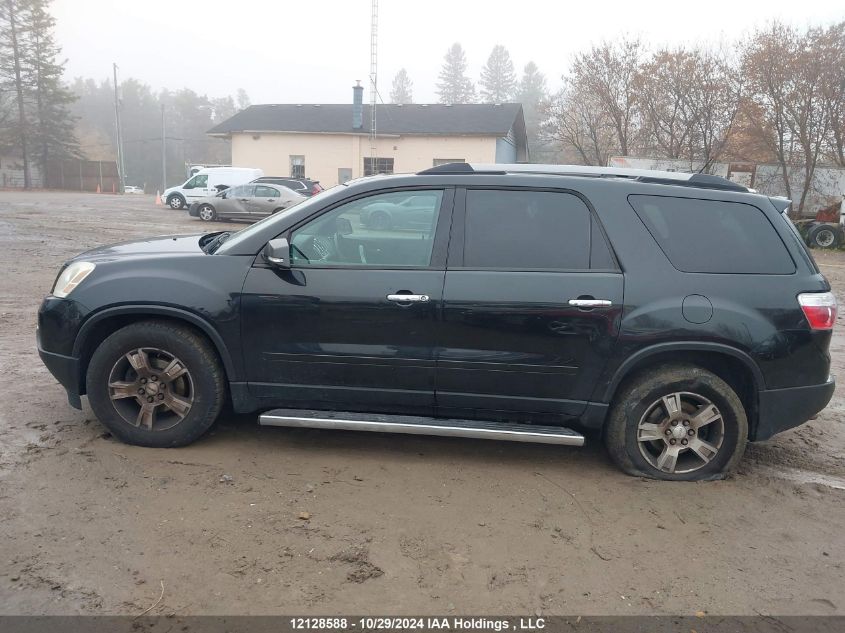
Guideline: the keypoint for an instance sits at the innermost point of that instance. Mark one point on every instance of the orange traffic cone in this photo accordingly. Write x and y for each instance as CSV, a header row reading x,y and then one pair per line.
x,y
98,189
158,198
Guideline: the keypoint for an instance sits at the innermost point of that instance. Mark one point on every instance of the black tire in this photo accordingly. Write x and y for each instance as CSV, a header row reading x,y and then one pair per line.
x,y
175,201
639,402
207,213
825,236
203,384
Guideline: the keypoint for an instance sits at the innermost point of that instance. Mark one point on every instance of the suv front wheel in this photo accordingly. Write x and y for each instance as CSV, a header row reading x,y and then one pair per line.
x,y
155,384
678,422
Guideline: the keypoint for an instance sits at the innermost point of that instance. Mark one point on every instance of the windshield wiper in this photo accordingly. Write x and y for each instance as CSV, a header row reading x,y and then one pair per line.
x,y
214,244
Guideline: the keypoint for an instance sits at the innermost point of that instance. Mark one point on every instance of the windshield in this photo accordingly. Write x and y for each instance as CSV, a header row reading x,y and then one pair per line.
x,y
239,236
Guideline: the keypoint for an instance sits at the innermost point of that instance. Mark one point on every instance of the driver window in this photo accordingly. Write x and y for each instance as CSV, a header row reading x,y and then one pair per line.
x,y
386,230
196,182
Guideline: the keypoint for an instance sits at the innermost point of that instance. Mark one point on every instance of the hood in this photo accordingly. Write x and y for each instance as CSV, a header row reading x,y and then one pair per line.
x,y
151,246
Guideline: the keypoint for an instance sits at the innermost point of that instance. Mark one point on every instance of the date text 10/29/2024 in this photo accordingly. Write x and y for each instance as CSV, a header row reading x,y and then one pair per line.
x,y
452,623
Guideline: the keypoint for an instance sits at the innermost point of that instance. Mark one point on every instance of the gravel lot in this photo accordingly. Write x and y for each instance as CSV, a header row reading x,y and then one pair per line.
x,y
398,524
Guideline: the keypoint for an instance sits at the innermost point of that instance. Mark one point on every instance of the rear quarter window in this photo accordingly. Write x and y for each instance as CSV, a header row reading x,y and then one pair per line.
x,y
714,236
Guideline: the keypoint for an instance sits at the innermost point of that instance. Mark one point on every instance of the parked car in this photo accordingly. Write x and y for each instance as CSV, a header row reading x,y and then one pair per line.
x,y
132,189
246,202
303,186
207,182
677,315
407,211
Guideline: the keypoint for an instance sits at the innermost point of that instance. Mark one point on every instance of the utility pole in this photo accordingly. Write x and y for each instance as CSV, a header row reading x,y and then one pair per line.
x,y
373,79
163,152
121,167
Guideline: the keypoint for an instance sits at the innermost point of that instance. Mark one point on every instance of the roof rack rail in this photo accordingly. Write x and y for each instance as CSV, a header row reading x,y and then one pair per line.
x,y
702,181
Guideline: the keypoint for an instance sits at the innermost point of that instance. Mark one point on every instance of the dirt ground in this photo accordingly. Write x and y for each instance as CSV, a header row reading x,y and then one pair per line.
x,y
398,524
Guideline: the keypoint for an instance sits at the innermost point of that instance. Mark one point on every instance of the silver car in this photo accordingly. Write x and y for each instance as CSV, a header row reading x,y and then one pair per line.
x,y
245,202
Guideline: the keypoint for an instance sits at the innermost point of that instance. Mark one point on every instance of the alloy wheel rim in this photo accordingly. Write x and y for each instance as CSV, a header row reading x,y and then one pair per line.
x,y
151,389
205,213
680,432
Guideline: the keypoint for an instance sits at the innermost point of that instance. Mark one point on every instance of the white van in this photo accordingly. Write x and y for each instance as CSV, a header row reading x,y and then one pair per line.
x,y
208,182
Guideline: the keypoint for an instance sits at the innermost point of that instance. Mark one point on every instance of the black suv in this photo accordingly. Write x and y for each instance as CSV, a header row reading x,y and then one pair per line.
x,y
303,186
678,315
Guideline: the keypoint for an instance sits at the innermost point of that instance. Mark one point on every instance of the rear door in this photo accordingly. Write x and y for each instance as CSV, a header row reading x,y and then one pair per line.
x,y
531,305
265,200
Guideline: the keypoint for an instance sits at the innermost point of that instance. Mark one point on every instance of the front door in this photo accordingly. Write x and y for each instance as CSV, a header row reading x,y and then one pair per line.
x,y
531,305
196,188
353,323
236,203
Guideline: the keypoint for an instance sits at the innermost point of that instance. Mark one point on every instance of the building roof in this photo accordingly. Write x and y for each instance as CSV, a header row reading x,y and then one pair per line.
x,y
429,119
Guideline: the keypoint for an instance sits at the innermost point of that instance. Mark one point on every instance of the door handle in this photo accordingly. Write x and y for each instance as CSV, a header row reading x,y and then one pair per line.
x,y
409,298
590,303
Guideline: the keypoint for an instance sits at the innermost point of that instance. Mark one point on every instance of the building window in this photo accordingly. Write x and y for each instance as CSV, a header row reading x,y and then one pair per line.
x,y
297,166
373,166
446,161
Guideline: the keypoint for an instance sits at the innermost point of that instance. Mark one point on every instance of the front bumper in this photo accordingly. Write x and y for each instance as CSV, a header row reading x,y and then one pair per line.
x,y
65,369
782,409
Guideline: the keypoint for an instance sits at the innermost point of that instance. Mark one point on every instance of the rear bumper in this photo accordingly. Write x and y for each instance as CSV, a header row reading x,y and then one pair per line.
x,y
65,369
782,409
194,210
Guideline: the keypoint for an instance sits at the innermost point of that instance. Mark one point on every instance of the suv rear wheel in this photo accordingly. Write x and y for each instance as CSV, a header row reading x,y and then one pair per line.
x,y
679,422
155,384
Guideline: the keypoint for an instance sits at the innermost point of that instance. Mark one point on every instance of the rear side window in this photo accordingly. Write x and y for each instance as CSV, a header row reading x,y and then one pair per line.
x,y
712,236
526,230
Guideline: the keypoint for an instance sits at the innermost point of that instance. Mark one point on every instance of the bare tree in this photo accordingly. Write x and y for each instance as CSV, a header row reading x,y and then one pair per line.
x,y
575,119
834,91
609,74
787,74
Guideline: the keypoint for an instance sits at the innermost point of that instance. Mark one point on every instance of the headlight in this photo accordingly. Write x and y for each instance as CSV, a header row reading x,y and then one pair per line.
x,y
71,277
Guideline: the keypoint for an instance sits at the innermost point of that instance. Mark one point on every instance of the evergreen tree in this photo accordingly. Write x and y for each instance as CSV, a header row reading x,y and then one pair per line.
x,y
13,51
454,86
53,131
401,92
498,80
243,99
531,93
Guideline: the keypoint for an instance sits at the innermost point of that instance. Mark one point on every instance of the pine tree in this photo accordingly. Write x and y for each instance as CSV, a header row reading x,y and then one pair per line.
x,y
53,131
532,87
243,99
454,86
401,92
531,93
498,80
12,69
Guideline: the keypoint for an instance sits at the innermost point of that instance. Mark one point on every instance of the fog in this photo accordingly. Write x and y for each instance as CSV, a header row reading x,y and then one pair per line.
x,y
311,52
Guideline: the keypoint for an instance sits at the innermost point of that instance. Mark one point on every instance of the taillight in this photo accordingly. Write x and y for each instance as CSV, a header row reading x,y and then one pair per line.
x,y
315,189
819,308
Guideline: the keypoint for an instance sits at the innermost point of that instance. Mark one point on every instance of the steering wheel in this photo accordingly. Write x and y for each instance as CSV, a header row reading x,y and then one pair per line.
x,y
322,248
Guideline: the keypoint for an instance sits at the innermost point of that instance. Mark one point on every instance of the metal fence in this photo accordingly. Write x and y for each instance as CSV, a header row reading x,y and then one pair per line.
x,y
69,174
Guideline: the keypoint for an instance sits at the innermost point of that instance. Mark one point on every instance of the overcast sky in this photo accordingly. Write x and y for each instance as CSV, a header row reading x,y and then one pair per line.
x,y
311,51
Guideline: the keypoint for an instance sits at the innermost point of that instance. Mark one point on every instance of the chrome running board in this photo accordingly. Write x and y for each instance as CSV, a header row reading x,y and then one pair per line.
x,y
378,423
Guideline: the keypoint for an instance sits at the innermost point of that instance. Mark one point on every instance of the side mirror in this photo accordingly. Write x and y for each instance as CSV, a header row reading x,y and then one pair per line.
x,y
277,253
343,226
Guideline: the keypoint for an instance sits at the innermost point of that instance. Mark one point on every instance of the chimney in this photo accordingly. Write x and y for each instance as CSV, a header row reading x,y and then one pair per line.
x,y
357,106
